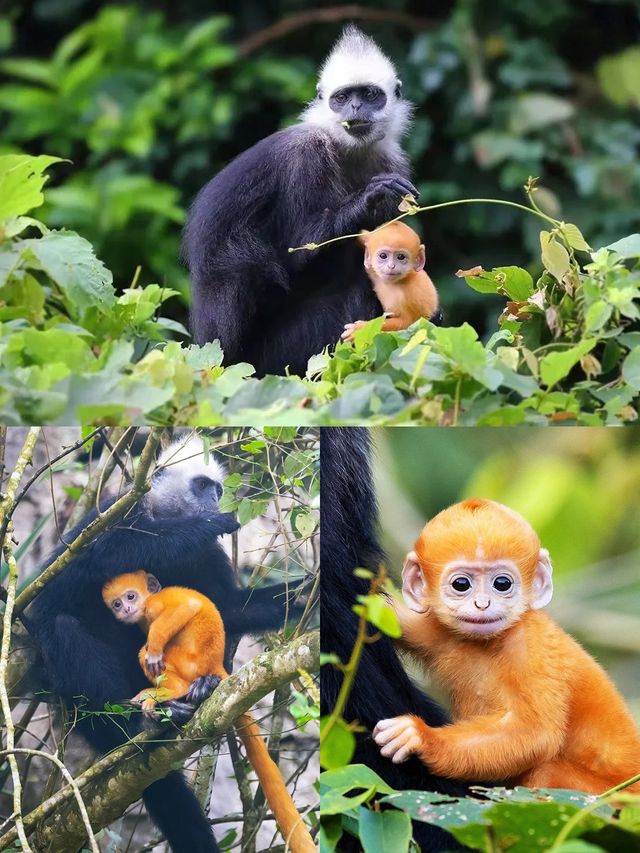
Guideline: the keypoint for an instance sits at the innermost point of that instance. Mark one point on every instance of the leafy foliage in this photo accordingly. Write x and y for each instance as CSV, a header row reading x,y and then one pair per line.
x,y
74,350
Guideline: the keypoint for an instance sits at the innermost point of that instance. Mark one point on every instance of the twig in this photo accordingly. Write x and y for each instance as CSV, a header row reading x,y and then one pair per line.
x,y
6,508
36,753
329,15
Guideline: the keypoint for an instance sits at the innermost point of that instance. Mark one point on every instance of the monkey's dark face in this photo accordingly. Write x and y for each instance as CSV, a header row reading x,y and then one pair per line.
x,y
358,109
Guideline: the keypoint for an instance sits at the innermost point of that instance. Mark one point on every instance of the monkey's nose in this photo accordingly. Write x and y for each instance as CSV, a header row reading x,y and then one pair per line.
x,y
481,605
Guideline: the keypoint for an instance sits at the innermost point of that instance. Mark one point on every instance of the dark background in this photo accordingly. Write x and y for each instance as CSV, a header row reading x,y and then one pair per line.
x,y
149,100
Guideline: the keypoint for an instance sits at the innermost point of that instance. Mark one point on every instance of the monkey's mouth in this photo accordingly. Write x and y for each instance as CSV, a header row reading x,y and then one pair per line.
x,y
357,126
481,620
481,624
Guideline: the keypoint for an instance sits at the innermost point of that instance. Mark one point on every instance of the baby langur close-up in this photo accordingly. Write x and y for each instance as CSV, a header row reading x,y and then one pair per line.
x,y
185,642
529,704
394,259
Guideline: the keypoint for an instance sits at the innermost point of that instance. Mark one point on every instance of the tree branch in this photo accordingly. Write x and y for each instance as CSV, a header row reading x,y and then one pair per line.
x,y
330,14
118,779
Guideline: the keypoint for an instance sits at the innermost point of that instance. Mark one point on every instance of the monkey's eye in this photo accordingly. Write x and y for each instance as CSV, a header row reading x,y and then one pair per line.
x,y
402,257
383,256
461,584
370,94
202,483
217,487
502,583
340,97
131,596
117,604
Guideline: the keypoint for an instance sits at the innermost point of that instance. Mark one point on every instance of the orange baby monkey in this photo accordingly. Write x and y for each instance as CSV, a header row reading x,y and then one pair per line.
x,y
185,640
530,706
394,260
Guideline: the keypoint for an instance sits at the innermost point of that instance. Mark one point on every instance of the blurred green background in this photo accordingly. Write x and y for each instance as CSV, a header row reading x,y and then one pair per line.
x,y
148,100
578,487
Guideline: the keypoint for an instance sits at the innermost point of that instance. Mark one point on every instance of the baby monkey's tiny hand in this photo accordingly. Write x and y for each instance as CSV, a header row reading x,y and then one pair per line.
x,y
399,737
154,663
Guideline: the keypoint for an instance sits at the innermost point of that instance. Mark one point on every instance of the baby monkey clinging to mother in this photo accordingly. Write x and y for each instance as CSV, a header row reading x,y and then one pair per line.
x,y
530,705
394,259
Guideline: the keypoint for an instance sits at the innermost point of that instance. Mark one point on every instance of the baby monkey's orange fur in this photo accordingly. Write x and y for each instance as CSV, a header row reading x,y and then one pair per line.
x,y
530,706
394,260
185,640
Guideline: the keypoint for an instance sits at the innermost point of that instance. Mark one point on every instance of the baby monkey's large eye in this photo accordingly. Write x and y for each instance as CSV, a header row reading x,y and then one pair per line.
x,y
117,604
131,596
502,583
461,584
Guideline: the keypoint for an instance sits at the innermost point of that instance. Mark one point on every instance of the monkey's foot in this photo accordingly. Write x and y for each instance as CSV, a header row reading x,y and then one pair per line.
x,y
351,328
399,737
202,688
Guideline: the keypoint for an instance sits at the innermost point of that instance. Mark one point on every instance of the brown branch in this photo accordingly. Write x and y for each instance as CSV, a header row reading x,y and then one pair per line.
x,y
329,15
118,779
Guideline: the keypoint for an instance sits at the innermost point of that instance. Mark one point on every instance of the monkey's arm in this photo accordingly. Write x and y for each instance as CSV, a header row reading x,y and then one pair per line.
x,y
494,747
163,628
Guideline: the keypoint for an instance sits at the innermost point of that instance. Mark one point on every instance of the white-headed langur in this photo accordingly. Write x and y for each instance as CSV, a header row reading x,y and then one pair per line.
x,y
339,170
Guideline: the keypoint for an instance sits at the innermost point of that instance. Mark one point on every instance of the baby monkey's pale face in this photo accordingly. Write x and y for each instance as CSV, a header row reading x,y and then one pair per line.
x,y
392,263
480,598
128,607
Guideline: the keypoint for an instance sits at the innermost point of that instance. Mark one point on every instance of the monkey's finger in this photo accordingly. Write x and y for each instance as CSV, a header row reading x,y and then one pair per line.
x,y
398,181
402,754
397,746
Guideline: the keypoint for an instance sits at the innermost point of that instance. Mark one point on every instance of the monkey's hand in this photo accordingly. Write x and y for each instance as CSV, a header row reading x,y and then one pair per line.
x,y
350,329
400,737
154,664
385,192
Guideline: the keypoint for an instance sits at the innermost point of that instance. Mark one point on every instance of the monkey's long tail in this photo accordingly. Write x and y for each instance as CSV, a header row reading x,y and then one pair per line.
x,y
287,816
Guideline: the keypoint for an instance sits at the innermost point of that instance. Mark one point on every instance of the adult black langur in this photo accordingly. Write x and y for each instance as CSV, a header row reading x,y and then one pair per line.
x,y
349,539
341,169
91,658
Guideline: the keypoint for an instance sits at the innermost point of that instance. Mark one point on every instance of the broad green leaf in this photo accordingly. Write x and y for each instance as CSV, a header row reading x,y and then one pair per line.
x,y
353,776
597,315
381,832
534,110
250,509
21,180
303,522
628,247
631,369
554,256
574,238
380,614
337,748
69,260
618,76
556,365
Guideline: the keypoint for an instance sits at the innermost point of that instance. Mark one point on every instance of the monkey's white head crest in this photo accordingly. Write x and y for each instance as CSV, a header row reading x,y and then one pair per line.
x,y
356,60
187,480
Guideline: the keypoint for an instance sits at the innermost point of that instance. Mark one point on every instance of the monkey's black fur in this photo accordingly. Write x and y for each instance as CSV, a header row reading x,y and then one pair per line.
x,y
267,306
382,688
91,658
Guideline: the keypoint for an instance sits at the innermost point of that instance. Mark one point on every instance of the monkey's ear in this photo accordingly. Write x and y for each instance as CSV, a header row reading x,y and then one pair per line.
x,y
363,236
367,261
413,584
420,259
398,87
542,587
153,584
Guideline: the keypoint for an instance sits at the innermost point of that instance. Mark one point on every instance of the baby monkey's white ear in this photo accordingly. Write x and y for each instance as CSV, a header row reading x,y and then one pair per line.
x,y
413,584
542,586
420,259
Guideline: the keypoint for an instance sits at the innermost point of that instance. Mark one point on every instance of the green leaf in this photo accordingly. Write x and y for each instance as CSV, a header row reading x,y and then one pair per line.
x,y
631,369
381,832
574,238
303,522
250,509
380,614
354,776
69,260
337,749
597,315
21,180
556,365
627,247
554,256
